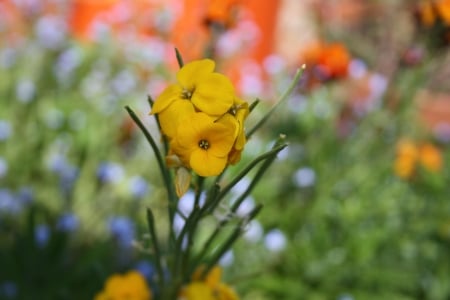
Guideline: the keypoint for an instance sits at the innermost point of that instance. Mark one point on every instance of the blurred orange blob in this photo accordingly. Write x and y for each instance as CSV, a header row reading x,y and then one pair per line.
x,y
326,61
430,12
84,13
222,12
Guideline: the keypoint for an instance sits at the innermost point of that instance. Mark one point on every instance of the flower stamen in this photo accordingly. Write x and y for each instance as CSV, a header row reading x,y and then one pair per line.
x,y
204,144
187,94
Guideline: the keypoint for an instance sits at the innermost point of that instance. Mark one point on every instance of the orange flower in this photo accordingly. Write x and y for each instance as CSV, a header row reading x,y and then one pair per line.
x,y
222,12
326,61
443,9
430,12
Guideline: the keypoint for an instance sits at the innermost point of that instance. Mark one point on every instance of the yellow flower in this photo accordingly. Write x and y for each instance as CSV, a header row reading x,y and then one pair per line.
x,y
407,155
209,289
198,89
130,286
430,157
197,291
240,111
203,143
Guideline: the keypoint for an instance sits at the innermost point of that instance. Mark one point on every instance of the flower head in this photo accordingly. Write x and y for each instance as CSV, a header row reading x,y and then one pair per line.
x,y
327,61
203,121
210,288
203,143
199,88
131,285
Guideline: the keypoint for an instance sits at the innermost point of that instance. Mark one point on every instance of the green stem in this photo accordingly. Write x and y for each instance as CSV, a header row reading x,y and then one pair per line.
x,y
179,58
286,94
266,164
158,260
212,204
230,241
163,138
167,178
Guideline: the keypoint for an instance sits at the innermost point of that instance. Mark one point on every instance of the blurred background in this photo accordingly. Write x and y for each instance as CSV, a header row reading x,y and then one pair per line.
x,y
360,206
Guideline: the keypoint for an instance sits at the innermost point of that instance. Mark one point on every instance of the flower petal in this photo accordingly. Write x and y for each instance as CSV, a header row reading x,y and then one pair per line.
x,y
170,94
205,164
190,72
214,94
171,117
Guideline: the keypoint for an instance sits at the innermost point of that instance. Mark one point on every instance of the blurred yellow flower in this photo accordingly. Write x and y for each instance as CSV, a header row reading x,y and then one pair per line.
x,y
410,155
203,143
130,286
197,291
199,88
407,154
430,157
209,288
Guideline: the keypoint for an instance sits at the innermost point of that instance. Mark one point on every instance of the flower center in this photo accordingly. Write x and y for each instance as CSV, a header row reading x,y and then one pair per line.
x,y
187,94
204,144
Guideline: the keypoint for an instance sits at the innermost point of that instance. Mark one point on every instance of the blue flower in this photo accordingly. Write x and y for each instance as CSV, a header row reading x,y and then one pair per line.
x,y
8,203
25,90
122,229
51,32
5,130
42,235
109,172
138,187
146,268
8,289
25,195
3,167
68,176
68,222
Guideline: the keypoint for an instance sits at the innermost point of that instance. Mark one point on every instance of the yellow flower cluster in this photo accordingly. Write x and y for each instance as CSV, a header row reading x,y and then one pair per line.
x,y
202,119
208,289
411,155
130,286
